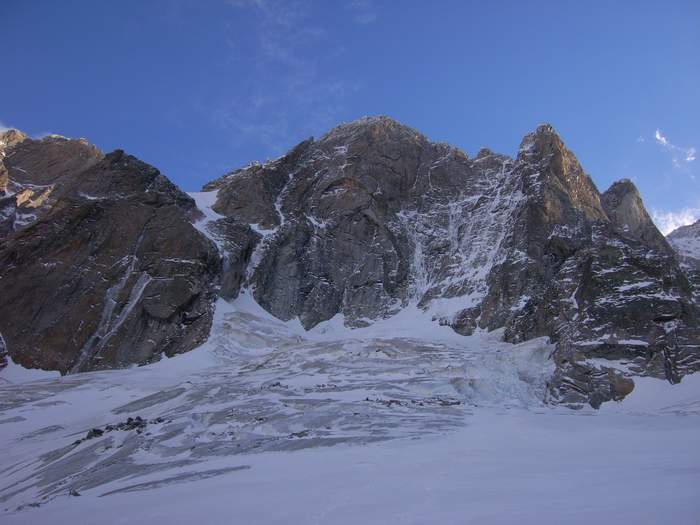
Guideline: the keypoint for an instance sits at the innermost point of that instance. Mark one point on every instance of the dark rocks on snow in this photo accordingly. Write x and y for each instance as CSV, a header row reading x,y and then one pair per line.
x,y
136,424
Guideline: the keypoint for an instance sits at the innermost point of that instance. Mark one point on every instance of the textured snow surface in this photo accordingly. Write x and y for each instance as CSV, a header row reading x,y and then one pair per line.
x,y
687,246
515,466
400,422
686,241
14,373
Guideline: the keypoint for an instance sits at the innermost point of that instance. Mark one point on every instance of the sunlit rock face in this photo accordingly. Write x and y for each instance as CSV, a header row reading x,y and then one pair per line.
x,y
624,206
371,218
100,266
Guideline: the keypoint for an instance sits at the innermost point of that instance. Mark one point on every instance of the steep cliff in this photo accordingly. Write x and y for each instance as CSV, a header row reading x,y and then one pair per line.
x,y
100,266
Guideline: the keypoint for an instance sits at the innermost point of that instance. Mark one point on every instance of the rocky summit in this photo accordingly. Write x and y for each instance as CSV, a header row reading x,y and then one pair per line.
x,y
104,263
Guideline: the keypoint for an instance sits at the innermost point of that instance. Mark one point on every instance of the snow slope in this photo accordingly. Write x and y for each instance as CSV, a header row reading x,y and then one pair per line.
x,y
686,241
257,385
687,247
501,466
267,423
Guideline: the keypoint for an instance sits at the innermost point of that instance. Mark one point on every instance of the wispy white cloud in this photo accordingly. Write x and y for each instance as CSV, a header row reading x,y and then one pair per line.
x,y
363,11
285,96
678,154
4,128
660,138
667,221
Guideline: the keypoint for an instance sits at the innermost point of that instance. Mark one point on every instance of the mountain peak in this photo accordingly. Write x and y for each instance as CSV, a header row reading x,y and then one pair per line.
x,y
483,153
10,138
541,142
622,186
545,128
378,125
623,204
689,230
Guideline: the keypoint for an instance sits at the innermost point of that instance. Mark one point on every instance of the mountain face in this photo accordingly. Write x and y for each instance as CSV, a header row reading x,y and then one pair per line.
x,y
100,266
368,220
686,241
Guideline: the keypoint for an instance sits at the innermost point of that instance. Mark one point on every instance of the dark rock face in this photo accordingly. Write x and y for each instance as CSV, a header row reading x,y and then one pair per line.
x,y
341,220
100,266
373,217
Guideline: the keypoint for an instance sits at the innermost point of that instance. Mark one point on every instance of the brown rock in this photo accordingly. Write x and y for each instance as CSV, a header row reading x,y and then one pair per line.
x,y
107,270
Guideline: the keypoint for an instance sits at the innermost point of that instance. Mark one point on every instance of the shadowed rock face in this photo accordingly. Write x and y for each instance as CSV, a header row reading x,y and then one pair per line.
x,y
100,266
373,217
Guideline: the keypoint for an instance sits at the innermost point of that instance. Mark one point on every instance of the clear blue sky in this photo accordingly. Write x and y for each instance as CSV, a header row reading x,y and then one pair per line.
x,y
200,87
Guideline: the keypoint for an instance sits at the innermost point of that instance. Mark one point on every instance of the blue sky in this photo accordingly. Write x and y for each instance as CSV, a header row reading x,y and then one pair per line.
x,y
200,87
